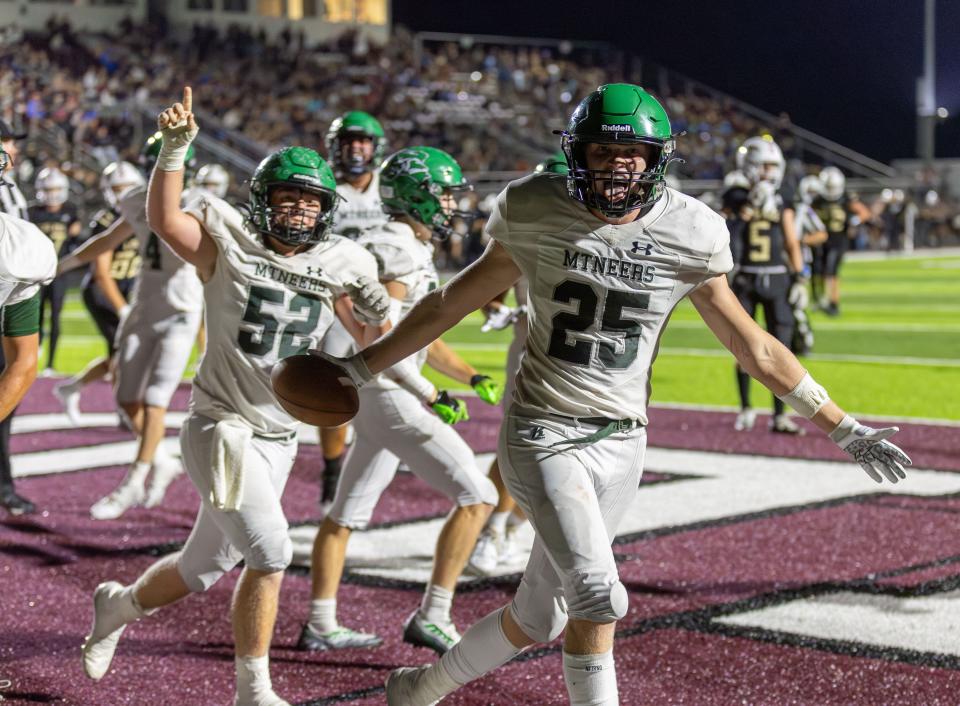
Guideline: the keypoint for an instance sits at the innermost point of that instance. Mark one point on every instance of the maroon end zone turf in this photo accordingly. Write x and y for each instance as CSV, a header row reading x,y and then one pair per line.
x,y
672,649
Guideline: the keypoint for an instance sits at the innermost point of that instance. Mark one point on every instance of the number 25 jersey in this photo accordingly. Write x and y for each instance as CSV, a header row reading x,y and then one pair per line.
x,y
600,295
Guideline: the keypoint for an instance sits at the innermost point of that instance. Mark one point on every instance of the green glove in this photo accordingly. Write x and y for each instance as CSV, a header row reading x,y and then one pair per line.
x,y
487,389
449,409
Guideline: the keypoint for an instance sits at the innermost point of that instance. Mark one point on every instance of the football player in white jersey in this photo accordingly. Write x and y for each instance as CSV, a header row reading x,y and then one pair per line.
x,y
608,254
418,186
27,262
356,144
271,280
154,342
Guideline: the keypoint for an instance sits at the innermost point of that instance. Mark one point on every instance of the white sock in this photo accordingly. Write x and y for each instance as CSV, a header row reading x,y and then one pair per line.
x,y
591,679
483,648
162,457
253,678
498,522
436,602
323,615
138,473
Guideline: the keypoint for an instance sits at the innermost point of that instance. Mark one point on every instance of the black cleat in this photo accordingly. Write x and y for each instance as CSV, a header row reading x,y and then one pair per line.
x,y
16,504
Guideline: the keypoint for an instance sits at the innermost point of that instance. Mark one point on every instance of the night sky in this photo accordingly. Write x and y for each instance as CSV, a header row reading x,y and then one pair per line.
x,y
845,69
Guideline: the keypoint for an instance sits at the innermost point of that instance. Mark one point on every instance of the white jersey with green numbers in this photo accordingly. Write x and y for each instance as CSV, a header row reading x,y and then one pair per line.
x,y
27,260
359,210
167,285
261,307
404,258
600,295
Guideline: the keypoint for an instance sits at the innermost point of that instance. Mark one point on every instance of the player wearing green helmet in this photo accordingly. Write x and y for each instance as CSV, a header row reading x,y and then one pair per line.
x,y
293,172
422,184
608,260
417,185
272,284
607,133
355,146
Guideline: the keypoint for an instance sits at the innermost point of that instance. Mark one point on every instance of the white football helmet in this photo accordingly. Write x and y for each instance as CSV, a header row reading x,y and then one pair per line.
x,y
832,183
809,188
214,179
53,187
117,179
761,159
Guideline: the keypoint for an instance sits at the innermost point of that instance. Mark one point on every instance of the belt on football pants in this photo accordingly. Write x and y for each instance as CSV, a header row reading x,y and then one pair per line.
x,y
608,427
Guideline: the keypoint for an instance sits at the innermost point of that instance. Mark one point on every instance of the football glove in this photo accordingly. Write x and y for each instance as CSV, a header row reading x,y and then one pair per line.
x,y
354,366
449,409
499,319
870,448
371,303
798,297
487,389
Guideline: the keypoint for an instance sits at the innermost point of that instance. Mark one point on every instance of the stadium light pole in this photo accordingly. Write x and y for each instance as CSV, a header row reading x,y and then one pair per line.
x,y
926,86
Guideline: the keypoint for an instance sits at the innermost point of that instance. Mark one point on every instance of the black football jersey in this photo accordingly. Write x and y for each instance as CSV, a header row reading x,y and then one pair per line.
x,y
56,226
126,256
835,216
758,242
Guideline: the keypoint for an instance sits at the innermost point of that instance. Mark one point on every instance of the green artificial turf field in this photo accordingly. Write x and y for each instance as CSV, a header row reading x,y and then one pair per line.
x,y
895,350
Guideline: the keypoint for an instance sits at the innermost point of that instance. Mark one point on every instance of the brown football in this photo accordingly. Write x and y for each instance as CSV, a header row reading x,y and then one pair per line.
x,y
315,391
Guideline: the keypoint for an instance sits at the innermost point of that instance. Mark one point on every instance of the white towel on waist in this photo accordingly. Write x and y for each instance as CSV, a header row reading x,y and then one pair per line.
x,y
230,441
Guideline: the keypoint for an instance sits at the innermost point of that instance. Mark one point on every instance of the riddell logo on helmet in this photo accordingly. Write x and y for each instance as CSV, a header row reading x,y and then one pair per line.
x,y
616,128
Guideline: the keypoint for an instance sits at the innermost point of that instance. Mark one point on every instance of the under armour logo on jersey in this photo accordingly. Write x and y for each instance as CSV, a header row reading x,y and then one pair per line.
x,y
637,247
536,433
313,271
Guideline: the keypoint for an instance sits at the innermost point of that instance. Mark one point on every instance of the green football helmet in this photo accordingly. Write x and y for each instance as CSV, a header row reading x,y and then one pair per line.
x,y
301,168
151,150
353,124
618,113
413,181
554,164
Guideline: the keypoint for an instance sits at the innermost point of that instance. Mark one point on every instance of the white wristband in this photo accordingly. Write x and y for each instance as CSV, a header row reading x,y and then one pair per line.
x,y
172,159
807,398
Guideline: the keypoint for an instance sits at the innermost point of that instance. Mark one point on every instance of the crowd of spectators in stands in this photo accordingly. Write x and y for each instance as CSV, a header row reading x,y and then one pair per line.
x,y
493,106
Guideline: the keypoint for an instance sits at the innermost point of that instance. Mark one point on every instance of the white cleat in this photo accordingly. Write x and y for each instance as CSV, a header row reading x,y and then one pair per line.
x,y
745,420
486,554
439,636
69,397
163,475
511,550
402,685
782,424
126,496
101,643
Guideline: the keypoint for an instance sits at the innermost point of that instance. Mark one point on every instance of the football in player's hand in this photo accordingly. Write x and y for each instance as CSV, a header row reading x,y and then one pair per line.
x,y
315,391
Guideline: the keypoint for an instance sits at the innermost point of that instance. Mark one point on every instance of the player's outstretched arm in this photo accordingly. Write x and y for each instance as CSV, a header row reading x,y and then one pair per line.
x,y
770,362
178,229
443,308
105,242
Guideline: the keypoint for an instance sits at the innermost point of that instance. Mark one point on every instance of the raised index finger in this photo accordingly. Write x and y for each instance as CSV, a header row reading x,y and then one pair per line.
x,y
187,99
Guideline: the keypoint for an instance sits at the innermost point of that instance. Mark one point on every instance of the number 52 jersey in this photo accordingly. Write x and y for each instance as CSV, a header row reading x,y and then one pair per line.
x,y
261,307
600,294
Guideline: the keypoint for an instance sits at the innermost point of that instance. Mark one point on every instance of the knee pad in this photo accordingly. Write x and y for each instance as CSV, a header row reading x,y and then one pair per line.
x,y
600,598
200,573
270,552
541,618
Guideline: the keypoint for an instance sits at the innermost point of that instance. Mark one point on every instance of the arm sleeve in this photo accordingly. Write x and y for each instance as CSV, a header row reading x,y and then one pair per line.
x,y
22,318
